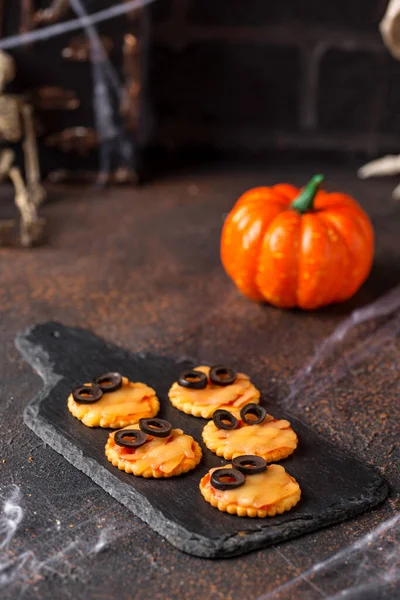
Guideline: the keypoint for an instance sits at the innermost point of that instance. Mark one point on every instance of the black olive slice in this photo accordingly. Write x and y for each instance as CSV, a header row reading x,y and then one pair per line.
x,y
253,410
223,419
156,427
196,380
227,479
139,438
221,375
87,394
109,382
249,464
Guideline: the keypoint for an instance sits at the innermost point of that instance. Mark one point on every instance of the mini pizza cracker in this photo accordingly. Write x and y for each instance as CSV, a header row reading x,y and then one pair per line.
x,y
113,401
153,449
203,390
249,431
248,488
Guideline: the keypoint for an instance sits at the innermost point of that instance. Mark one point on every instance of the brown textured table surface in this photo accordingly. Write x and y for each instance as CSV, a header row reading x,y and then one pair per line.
x,y
141,268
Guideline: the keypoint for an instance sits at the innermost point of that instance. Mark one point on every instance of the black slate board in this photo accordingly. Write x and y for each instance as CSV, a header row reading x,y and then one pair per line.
x,y
335,486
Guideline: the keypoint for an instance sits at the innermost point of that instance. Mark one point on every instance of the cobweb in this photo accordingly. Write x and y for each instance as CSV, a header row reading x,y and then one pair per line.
x,y
368,568
348,347
106,82
355,567
57,549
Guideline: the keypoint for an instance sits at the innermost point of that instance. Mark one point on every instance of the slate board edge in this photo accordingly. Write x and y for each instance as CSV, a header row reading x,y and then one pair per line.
x,y
179,537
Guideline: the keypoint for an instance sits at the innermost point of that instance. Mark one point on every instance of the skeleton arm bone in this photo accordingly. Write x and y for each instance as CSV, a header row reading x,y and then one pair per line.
x,y
31,225
30,148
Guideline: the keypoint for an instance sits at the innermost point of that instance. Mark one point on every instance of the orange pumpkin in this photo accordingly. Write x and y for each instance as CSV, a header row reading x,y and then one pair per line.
x,y
292,247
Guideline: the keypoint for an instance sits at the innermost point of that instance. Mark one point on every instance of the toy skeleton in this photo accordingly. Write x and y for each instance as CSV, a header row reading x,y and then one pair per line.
x,y
390,31
16,126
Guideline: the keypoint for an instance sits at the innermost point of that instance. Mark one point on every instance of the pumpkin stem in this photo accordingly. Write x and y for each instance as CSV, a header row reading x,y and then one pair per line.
x,y
305,200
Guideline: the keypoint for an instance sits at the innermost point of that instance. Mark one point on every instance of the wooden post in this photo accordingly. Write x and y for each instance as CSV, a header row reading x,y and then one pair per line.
x,y
2,11
27,10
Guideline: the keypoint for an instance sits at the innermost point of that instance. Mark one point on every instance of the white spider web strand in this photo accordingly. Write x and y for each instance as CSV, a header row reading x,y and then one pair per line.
x,y
104,78
385,306
97,50
54,550
11,516
14,41
359,557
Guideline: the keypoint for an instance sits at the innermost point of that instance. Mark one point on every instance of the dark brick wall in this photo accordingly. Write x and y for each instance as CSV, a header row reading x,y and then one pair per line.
x,y
256,74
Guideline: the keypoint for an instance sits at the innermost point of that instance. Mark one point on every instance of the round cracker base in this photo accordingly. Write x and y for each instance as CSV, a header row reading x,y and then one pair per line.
x,y
206,412
218,448
234,509
187,464
120,422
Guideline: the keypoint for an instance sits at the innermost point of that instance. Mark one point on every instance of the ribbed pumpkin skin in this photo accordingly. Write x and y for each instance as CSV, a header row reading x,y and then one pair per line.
x,y
275,254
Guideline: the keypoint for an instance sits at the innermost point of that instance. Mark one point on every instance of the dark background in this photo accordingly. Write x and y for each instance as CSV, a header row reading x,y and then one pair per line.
x,y
228,76
259,74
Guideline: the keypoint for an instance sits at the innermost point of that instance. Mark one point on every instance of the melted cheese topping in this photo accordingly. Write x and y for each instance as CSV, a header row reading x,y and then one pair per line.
x,y
239,393
254,439
164,454
131,401
259,491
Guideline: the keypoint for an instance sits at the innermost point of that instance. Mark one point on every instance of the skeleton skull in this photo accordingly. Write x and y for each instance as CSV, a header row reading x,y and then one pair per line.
x,y
7,69
390,28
